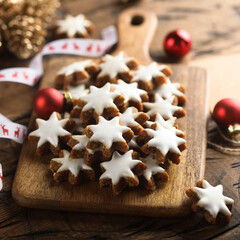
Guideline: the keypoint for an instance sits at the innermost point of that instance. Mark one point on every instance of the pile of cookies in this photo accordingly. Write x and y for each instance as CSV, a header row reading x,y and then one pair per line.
x,y
121,129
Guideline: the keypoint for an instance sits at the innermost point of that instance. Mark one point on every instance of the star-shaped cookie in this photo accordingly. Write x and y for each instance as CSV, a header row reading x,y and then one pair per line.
x,y
49,131
150,75
211,201
108,135
118,168
164,143
164,107
97,101
78,144
115,67
74,26
132,118
170,90
154,175
99,98
73,166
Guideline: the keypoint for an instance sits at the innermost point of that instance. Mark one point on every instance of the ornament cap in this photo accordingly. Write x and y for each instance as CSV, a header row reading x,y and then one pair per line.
x,y
67,97
234,129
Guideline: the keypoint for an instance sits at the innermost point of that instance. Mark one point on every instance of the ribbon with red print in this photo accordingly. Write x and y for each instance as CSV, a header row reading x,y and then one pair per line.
x,y
80,47
11,130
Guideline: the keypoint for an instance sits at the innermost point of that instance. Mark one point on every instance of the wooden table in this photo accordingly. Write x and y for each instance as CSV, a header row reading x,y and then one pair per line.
x,y
215,29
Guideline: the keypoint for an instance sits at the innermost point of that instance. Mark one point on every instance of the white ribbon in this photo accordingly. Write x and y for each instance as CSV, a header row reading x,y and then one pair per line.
x,y
81,47
11,130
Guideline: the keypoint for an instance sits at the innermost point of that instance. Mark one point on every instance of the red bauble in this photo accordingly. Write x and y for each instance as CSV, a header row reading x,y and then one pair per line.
x,y
227,112
177,43
47,101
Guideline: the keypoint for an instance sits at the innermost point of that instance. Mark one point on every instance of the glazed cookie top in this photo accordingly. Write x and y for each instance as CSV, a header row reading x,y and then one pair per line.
x,y
78,122
108,131
128,117
50,130
99,98
168,90
74,165
167,124
164,107
113,65
212,199
165,139
133,143
129,91
152,167
82,141
146,73
78,91
119,166
72,25
76,67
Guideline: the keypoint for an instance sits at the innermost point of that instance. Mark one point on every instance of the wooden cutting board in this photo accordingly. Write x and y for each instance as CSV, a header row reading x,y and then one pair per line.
x,y
34,187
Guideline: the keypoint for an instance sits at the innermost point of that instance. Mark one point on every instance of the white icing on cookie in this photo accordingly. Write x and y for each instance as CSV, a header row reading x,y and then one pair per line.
x,y
164,107
108,132
76,67
72,25
128,117
165,139
92,151
133,142
167,124
149,123
78,122
82,141
99,98
212,199
78,91
112,65
50,130
152,167
129,91
73,165
119,166
168,90
146,73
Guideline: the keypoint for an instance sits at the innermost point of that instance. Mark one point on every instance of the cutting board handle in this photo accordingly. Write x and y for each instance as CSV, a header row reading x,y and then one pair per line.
x,y
136,28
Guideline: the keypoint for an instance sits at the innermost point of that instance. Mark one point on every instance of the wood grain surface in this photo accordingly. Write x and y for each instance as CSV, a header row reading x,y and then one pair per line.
x,y
215,27
39,190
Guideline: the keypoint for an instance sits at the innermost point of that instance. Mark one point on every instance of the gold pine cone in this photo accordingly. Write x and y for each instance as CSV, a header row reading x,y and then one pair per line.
x,y
25,36
43,9
10,8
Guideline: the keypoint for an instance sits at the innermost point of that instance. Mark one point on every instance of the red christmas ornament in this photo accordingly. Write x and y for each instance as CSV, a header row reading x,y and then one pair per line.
x,y
227,112
46,101
177,43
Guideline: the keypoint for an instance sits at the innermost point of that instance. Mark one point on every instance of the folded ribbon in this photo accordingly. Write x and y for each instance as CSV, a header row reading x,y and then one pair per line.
x,y
76,46
11,130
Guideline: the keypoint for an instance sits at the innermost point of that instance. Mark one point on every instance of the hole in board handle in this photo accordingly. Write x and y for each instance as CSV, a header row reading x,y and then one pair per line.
x,y
137,20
